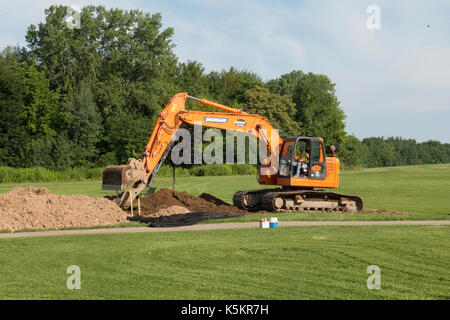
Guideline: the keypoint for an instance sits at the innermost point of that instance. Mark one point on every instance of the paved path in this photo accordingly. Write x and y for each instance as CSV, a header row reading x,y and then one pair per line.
x,y
215,226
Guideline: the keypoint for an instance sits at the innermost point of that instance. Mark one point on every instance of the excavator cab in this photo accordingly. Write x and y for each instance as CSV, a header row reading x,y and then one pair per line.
x,y
303,158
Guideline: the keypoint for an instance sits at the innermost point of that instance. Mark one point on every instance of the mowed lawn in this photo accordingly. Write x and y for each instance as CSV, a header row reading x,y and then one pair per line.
x,y
284,263
421,191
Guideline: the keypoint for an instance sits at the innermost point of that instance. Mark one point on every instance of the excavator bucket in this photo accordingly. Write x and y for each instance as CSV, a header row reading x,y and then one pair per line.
x,y
116,178
121,177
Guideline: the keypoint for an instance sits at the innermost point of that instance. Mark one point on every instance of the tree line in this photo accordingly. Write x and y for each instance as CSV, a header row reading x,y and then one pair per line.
x,y
393,151
90,96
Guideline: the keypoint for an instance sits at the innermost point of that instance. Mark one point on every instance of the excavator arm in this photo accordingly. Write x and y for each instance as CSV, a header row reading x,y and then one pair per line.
x,y
141,173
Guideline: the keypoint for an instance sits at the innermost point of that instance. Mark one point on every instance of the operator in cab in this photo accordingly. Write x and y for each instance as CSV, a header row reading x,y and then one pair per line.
x,y
301,157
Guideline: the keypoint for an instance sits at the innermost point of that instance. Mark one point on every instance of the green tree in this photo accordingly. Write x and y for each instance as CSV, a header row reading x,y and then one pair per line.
x,y
191,78
286,83
126,135
83,125
229,87
62,151
31,110
40,103
278,110
40,152
14,139
118,51
433,152
405,150
318,109
381,152
352,152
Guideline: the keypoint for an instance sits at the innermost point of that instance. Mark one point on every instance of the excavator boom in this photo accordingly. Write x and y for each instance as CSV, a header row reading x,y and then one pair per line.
x,y
141,173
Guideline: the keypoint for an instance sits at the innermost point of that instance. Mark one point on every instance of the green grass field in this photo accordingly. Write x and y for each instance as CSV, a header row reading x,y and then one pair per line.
x,y
421,191
283,263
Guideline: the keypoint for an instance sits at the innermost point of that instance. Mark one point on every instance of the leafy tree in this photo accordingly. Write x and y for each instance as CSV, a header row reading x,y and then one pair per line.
x,y
405,151
13,138
191,78
30,110
432,152
286,83
40,103
318,108
278,110
229,87
126,135
352,152
40,153
83,125
382,153
62,151
113,50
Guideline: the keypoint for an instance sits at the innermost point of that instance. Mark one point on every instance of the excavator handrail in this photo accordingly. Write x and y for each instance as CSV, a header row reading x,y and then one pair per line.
x,y
215,105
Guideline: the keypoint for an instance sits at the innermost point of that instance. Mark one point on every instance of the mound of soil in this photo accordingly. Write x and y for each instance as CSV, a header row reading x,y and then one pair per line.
x,y
170,201
38,208
167,208
170,211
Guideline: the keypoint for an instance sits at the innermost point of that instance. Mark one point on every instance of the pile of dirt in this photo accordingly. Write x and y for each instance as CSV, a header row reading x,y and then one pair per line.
x,y
170,211
38,208
166,202
168,208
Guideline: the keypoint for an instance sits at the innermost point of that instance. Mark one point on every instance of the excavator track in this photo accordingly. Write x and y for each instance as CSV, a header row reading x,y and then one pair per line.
x,y
250,200
281,200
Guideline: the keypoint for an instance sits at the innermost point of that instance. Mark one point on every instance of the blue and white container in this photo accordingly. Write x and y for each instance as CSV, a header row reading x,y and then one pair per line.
x,y
273,223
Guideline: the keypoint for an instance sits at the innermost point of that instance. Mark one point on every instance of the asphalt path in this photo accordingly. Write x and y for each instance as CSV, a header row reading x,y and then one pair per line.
x,y
225,225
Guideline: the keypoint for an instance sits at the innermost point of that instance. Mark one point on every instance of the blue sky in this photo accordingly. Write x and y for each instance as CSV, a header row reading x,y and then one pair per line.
x,y
394,81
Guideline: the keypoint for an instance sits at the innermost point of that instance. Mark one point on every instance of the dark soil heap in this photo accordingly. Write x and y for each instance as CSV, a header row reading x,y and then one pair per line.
x,y
167,208
165,198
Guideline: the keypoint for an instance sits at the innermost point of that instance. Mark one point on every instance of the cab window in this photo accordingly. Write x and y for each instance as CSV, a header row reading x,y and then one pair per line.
x,y
317,152
287,148
301,149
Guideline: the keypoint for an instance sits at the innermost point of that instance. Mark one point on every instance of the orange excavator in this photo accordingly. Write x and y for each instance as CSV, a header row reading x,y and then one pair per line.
x,y
297,164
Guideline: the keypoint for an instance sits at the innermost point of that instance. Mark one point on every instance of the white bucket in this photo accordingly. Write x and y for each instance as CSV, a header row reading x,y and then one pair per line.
x,y
264,224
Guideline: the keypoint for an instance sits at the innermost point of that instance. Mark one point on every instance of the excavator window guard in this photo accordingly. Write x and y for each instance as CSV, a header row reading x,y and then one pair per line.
x,y
287,152
317,163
